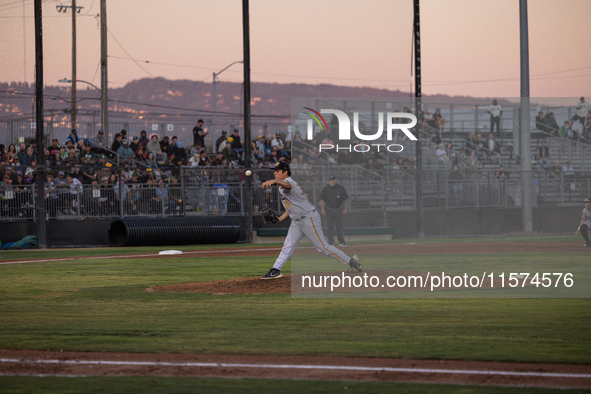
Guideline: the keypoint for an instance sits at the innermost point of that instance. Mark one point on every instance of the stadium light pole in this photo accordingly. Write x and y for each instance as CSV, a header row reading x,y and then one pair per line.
x,y
215,75
418,152
66,80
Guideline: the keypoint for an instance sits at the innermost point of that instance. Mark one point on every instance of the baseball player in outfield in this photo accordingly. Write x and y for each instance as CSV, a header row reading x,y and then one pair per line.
x,y
304,221
585,223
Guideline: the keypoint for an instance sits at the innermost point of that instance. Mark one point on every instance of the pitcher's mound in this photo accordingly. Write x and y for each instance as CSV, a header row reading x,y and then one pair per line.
x,y
233,286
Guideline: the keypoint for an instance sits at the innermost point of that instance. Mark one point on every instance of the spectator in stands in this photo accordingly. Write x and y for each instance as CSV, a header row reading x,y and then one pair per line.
x,y
435,142
11,153
260,145
143,139
156,148
581,115
194,160
540,124
140,154
495,111
543,156
135,145
26,159
455,180
2,153
178,156
72,159
151,161
57,160
218,147
73,137
451,153
124,152
197,149
492,147
198,133
268,148
472,162
567,171
88,158
75,172
65,150
89,174
22,152
128,205
117,142
219,159
47,158
372,165
79,147
502,174
75,191
236,144
228,153
278,143
342,158
63,191
441,153
556,170
440,121
31,172
54,146
551,124
429,124
98,142
564,130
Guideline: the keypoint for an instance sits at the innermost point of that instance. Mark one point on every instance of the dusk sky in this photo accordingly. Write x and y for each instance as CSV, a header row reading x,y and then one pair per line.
x,y
469,47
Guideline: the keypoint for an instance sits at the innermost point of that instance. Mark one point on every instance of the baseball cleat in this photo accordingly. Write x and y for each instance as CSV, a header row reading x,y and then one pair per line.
x,y
274,273
343,244
354,263
587,244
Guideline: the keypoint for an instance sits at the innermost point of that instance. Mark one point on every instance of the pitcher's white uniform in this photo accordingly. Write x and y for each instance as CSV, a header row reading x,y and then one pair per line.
x,y
304,221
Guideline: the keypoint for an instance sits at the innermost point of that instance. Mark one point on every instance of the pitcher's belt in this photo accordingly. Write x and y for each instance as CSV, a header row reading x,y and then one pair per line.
x,y
303,217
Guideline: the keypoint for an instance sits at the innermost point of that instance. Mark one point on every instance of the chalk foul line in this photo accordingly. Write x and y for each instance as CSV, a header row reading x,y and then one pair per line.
x,y
298,366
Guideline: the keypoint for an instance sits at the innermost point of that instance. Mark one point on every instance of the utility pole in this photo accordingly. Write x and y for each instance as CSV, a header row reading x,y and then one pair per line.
x,y
104,83
75,10
74,105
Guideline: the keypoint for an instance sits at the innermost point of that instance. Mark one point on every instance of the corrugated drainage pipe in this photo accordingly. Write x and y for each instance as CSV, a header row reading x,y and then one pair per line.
x,y
173,231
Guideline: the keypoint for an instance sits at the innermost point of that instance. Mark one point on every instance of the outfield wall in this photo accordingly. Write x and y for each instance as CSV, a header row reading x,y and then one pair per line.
x,y
438,223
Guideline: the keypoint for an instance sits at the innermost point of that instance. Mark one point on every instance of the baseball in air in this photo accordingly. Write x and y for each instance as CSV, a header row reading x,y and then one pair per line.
x,y
248,173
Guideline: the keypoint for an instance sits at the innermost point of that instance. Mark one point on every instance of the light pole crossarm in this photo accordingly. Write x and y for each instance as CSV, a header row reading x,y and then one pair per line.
x,y
230,65
65,80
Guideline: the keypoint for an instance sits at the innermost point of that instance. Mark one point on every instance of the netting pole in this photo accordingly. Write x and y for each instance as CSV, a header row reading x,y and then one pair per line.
x,y
419,152
41,223
247,148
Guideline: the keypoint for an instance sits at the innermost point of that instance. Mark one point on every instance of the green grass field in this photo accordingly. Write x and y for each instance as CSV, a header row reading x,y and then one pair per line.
x,y
102,305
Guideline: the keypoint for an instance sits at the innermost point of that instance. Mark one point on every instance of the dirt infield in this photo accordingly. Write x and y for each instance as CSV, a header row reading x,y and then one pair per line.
x,y
49,363
284,285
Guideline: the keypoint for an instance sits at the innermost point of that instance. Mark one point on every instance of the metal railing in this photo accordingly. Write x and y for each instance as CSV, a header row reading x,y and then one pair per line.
x,y
221,191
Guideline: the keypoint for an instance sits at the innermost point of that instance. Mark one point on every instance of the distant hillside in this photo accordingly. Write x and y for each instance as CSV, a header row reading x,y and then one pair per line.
x,y
182,99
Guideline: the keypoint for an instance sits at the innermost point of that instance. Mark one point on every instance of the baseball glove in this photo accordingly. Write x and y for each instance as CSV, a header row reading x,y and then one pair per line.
x,y
269,216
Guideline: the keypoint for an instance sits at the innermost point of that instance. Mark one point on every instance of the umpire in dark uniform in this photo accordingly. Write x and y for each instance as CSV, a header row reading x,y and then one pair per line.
x,y
333,199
